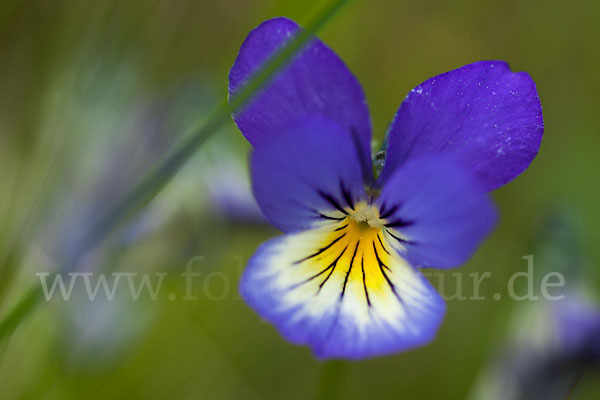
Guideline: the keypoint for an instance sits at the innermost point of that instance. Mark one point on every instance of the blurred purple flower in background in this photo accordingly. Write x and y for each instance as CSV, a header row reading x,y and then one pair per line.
x,y
551,345
122,133
578,328
128,141
345,279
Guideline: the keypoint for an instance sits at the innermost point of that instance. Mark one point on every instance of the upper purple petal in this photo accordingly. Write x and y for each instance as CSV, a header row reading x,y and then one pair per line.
x,y
315,82
482,115
308,175
436,212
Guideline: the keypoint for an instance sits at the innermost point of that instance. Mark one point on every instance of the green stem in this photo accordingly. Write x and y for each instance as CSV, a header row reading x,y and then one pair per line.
x,y
23,308
331,381
149,187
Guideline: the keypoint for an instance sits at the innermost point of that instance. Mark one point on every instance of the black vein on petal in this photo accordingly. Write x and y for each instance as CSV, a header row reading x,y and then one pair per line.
x,y
390,283
340,228
399,223
321,250
346,195
385,214
349,269
381,243
362,265
333,264
399,239
332,201
328,217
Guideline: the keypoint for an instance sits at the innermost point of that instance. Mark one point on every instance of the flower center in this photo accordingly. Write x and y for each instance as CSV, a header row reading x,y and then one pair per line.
x,y
366,215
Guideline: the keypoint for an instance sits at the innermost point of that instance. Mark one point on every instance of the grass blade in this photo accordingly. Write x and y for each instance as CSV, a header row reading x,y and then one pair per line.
x,y
149,187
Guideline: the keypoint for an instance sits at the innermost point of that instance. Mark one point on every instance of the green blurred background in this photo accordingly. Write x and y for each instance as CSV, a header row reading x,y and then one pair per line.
x,y
94,93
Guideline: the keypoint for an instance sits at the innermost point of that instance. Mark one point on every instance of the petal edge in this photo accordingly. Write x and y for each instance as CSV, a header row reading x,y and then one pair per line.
x,y
482,115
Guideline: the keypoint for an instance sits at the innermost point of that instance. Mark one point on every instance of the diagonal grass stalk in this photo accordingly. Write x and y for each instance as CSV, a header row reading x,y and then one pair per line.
x,y
155,181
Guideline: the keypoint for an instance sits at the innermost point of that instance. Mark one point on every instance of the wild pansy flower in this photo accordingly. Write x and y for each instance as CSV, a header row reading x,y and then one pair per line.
x,y
345,278
550,345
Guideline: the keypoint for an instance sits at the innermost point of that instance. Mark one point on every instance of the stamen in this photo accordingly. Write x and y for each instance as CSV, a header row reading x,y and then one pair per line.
x,y
368,214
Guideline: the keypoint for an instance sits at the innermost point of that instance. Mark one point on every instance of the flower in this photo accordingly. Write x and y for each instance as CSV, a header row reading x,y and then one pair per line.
x,y
344,279
552,344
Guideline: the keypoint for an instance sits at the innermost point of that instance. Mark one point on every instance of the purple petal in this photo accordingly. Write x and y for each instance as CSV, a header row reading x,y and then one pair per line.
x,y
482,115
315,82
436,212
577,326
341,303
307,176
